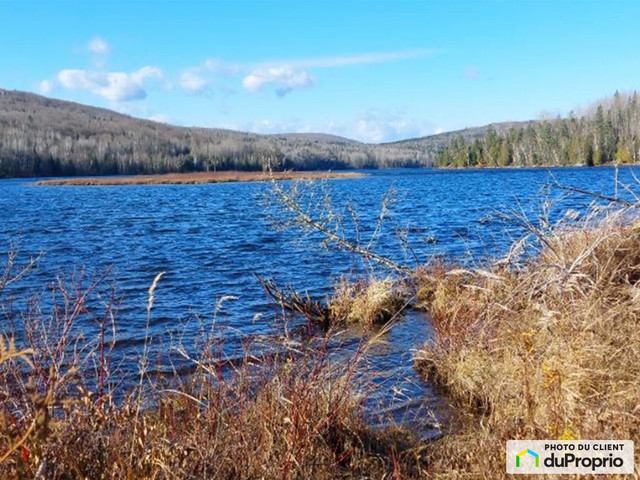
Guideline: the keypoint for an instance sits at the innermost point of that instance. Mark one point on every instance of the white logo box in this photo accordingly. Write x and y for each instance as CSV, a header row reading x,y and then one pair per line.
x,y
570,456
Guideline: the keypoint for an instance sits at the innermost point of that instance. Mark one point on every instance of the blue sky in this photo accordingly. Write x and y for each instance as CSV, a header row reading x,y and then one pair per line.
x,y
370,70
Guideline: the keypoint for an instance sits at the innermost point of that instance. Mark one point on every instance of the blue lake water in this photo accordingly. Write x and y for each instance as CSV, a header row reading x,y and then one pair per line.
x,y
211,239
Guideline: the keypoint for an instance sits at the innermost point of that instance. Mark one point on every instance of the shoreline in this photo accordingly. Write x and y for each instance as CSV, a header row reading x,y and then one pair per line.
x,y
196,178
228,176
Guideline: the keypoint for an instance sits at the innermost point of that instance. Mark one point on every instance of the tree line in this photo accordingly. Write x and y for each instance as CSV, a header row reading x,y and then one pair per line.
x,y
607,132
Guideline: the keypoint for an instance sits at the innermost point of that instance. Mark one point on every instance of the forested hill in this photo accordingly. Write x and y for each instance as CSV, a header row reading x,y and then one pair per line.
x,y
40,136
607,132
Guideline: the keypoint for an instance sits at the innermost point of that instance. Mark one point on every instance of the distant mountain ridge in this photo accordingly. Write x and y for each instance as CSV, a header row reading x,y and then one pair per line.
x,y
468,133
315,137
41,136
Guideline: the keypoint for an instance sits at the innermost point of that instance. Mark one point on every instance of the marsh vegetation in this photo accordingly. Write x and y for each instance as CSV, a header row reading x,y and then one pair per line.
x,y
200,177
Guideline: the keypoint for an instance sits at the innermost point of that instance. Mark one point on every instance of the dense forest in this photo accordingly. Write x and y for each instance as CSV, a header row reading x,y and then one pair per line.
x,y
40,136
607,132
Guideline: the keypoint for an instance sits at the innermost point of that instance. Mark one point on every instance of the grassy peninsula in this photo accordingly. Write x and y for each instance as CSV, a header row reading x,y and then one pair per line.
x,y
200,177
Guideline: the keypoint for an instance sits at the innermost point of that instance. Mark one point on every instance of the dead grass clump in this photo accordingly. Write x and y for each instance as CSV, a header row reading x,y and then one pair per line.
x,y
298,424
303,421
546,351
366,302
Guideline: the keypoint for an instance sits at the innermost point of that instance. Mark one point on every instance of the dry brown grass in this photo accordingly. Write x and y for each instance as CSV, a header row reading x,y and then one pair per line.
x,y
298,424
547,351
200,177
367,302
295,416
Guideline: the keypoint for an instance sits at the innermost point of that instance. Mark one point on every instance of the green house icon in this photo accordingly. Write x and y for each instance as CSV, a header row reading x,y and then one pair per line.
x,y
530,452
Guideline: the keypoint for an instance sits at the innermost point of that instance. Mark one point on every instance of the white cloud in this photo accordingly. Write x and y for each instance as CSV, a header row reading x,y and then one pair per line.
x,y
113,86
193,82
283,77
286,75
274,126
97,79
366,58
45,87
267,126
146,73
200,79
98,46
381,126
159,117
76,79
219,66
377,126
